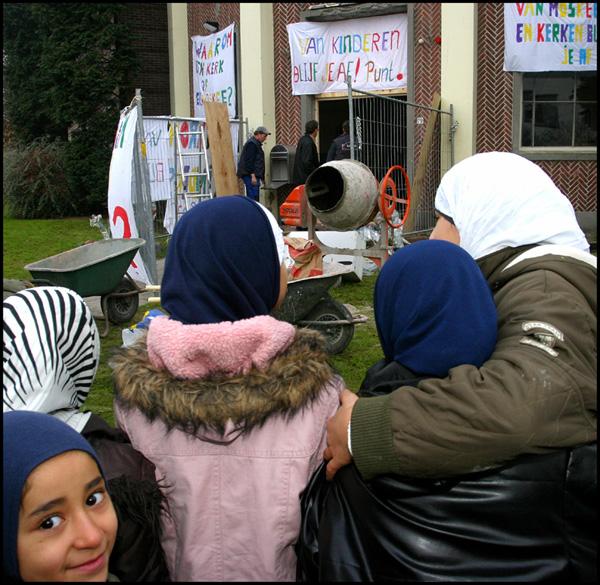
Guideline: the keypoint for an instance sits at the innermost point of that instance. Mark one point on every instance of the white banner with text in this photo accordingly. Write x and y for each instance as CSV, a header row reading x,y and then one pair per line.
x,y
372,50
213,59
120,184
550,36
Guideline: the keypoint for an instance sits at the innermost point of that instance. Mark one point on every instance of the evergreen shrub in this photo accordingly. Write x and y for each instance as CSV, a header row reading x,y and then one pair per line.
x,y
35,181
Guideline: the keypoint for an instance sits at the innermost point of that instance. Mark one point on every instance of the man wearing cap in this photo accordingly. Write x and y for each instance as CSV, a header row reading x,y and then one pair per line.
x,y
251,166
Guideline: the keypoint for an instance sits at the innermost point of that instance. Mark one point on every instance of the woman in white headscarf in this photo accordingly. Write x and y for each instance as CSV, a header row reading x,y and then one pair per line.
x,y
494,465
51,352
537,392
498,200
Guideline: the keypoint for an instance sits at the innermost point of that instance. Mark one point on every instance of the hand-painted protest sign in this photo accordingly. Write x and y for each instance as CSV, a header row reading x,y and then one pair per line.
x,y
120,180
550,36
160,149
160,156
372,50
213,59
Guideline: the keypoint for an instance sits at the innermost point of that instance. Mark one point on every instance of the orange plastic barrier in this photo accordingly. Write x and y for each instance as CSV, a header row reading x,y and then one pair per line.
x,y
290,211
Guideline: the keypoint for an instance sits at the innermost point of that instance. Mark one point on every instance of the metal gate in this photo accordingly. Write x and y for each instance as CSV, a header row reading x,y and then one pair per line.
x,y
387,131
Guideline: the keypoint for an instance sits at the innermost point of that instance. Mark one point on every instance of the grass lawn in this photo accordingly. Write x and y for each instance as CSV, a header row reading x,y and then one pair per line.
x,y
30,240
27,241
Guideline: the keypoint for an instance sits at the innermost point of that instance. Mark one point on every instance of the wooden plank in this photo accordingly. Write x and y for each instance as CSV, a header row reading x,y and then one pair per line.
x,y
417,185
336,95
219,140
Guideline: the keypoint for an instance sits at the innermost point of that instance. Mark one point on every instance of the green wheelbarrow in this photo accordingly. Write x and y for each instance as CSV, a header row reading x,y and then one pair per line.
x,y
96,269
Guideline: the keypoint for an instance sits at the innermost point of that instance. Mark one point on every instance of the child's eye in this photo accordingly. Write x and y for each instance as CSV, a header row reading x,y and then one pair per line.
x,y
50,523
95,498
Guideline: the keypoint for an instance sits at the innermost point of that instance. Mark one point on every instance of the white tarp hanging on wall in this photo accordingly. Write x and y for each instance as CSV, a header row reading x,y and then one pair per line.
x,y
160,151
162,166
120,184
550,36
160,157
372,50
213,58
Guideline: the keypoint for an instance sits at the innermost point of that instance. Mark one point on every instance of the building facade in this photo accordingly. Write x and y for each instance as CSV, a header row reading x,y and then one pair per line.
x,y
455,50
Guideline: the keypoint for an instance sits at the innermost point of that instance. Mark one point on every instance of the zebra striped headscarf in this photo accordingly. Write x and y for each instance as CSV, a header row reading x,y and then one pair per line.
x,y
51,350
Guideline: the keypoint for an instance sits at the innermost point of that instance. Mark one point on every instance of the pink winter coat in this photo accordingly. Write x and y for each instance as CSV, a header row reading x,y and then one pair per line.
x,y
253,397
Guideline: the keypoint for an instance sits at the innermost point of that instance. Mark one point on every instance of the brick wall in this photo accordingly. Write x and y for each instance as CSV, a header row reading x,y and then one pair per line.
x,y
427,81
576,179
287,106
150,39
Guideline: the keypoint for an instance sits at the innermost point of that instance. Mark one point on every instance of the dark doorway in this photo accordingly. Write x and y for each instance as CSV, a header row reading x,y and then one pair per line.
x,y
332,114
379,130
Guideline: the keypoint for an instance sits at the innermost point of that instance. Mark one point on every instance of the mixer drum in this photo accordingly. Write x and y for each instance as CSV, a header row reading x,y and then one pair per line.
x,y
342,194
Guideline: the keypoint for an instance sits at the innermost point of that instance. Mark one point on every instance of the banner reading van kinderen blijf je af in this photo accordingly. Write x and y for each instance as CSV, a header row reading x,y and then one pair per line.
x,y
372,50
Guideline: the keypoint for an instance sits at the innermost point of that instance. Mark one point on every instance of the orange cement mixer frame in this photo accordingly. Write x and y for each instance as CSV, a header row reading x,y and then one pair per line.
x,y
387,201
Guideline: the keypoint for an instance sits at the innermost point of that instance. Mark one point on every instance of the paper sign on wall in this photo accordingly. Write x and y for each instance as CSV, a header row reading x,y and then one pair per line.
x,y
372,50
550,36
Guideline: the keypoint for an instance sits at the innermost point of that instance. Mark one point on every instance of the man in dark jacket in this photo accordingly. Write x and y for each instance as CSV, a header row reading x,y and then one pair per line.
x,y
340,147
251,166
307,157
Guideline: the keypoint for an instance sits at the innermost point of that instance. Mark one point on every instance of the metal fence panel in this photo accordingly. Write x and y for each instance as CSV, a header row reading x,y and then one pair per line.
x,y
379,138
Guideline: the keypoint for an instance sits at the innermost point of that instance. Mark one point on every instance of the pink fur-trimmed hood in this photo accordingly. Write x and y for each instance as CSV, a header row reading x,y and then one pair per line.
x,y
230,348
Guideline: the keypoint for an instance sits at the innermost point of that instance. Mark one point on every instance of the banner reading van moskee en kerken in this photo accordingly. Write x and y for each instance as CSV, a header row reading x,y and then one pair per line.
x,y
550,36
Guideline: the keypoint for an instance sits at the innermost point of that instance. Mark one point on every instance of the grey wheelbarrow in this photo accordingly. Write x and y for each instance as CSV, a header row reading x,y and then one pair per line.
x,y
309,304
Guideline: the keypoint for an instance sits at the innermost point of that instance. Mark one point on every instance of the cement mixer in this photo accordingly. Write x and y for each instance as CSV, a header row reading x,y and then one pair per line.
x,y
345,195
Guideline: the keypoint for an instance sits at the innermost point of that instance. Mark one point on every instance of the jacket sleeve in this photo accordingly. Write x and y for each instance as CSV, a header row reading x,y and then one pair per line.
x,y
331,152
314,162
242,163
258,165
247,164
523,399
307,156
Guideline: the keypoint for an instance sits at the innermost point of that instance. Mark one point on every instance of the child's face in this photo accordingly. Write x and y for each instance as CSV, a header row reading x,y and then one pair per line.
x,y
67,523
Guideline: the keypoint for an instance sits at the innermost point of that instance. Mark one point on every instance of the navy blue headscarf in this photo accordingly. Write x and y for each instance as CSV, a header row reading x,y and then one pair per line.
x,y
222,263
29,439
434,309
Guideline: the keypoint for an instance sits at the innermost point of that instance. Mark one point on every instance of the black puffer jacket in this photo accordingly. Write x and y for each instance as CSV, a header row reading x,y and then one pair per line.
x,y
252,159
531,520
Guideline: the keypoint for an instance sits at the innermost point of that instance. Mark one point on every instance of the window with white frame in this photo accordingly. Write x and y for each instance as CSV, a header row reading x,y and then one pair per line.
x,y
558,110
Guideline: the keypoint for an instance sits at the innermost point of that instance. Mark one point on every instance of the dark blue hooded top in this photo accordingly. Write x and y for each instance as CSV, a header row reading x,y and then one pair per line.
x,y
434,309
222,263
29,439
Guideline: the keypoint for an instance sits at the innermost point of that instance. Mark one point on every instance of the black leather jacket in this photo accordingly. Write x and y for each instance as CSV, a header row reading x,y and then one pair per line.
x,y
533,519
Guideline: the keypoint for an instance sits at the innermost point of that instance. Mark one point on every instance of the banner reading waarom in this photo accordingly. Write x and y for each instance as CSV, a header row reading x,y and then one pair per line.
x,y
213,59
